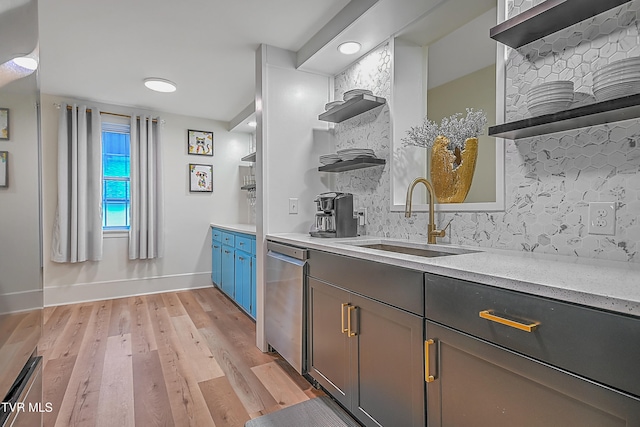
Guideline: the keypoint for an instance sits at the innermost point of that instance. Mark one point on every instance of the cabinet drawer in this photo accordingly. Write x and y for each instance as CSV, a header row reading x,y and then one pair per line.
x,y
596,344
392,285
243,243
216,234
228,239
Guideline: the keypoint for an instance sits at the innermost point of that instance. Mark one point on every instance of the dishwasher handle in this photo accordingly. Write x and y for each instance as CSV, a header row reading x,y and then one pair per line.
x,y
284,258
290,251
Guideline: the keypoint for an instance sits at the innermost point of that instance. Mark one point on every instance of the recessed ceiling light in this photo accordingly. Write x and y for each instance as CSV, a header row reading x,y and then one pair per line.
x,y
252,124
26,62
349,48
160,85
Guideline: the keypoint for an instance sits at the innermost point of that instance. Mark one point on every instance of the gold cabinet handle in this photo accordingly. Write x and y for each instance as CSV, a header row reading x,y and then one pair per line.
x,y
344,330
428,378
349,310
488,314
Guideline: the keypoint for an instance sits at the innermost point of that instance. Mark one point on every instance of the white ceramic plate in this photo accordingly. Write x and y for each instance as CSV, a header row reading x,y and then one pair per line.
x,y
549,108
355,92
330,105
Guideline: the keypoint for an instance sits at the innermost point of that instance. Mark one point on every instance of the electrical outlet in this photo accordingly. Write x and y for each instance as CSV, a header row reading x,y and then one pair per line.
x,y
293,205
361,214
602,218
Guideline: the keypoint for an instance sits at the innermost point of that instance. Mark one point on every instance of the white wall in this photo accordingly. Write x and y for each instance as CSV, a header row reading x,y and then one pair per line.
x,y
187,260
290,138
473,51
19,202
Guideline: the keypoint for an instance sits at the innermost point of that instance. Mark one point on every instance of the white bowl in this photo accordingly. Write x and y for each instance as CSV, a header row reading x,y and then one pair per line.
x,y
617,80
555,85
617,90
330,105
617,66
549,108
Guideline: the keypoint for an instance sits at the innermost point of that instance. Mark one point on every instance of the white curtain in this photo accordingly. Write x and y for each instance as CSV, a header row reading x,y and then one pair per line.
x,y
146,233
77,228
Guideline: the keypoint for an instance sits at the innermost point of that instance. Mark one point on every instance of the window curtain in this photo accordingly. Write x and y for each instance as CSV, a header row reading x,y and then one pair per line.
x,y
146,233
77,228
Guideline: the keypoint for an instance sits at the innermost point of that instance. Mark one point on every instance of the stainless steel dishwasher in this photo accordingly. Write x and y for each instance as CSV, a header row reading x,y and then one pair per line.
x,y
284,302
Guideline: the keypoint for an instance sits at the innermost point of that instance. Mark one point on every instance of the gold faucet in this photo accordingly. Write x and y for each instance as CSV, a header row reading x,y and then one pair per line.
x,y
432,233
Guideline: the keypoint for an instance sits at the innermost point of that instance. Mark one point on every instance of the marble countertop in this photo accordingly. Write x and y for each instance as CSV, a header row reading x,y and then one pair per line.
x,y
239,228
609,285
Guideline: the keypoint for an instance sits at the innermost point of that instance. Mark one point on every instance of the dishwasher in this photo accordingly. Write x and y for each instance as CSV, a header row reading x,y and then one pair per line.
x,y
284,302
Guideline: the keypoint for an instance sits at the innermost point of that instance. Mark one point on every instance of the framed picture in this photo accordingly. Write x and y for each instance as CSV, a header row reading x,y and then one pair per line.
x,y
200,178
200,142
4,123
4,168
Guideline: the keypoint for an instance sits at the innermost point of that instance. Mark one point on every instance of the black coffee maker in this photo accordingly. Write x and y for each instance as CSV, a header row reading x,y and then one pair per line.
x,y
334,216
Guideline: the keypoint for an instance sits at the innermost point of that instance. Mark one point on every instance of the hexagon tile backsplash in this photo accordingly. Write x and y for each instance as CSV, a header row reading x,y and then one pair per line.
x,y
550,179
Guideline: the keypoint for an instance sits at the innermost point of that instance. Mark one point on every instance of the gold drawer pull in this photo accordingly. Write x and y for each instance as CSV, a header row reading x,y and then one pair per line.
x,y
487,314
344,330
349,310
428,378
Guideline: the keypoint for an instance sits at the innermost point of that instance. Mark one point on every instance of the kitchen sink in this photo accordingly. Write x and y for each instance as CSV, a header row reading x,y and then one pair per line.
x,y
409,250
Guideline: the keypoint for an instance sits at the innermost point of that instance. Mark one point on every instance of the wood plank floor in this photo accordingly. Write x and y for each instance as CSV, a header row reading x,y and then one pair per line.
x,y
174,359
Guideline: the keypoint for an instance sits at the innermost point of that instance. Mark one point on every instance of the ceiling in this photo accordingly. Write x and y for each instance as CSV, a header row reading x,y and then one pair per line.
x,y
101,51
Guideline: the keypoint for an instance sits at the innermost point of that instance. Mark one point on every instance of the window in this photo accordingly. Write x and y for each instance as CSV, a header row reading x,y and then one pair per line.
x,y
116,195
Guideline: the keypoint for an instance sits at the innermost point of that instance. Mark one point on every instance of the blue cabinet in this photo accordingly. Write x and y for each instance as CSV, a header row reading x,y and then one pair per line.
x,y
243,279
228,270
234,267
253,285
216,260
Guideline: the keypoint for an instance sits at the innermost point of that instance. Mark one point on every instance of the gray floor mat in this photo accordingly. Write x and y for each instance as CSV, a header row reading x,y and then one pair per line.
x,y
317,412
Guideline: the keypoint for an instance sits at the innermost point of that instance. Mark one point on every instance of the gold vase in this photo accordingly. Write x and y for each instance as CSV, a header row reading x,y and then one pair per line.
x,y
452,171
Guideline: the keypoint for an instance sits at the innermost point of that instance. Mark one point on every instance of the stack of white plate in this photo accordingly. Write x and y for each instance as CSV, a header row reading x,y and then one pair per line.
x,y
618,79
329,159
550,97
330,105
354,153
355,92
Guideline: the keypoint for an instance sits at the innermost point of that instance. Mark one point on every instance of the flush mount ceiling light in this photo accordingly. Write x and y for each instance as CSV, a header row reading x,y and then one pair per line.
x,y
349,48
160,85
26,62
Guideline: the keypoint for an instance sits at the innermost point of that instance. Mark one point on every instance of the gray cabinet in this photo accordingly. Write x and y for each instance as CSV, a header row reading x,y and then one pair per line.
x,y
328,344
503,358
367,355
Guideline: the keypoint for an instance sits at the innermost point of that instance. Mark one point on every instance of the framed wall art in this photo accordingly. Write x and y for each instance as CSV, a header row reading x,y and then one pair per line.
x,y
4,168
200,142
4,123
200,178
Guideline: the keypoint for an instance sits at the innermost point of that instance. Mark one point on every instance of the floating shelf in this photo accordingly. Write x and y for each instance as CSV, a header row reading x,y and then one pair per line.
x,y
248,187
613,110
249,157
353,107
348,165
547,18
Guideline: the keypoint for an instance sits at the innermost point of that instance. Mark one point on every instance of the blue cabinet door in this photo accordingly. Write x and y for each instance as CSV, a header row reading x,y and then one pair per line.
x,y
253,286
228,268
216,263
243,280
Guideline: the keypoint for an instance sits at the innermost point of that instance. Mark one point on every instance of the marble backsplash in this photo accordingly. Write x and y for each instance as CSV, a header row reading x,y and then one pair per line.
x,y
550,179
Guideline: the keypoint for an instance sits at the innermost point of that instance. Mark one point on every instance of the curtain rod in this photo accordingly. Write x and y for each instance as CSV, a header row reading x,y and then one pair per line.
x,y
69,107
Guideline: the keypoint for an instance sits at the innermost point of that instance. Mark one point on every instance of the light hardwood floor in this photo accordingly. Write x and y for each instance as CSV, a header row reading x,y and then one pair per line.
x,y
174,359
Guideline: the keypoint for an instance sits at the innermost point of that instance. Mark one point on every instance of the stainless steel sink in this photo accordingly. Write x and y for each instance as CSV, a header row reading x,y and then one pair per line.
x,y
429,253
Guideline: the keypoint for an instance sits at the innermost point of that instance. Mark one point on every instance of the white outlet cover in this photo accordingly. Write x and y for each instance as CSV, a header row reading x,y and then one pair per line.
x,y
602,218
293,205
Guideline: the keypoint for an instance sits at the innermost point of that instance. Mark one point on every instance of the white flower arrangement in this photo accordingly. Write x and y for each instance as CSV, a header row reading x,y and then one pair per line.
x,y
455,128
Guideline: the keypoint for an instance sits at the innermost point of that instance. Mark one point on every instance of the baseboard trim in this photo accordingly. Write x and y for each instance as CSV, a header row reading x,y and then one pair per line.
x,y
21,301
97,291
